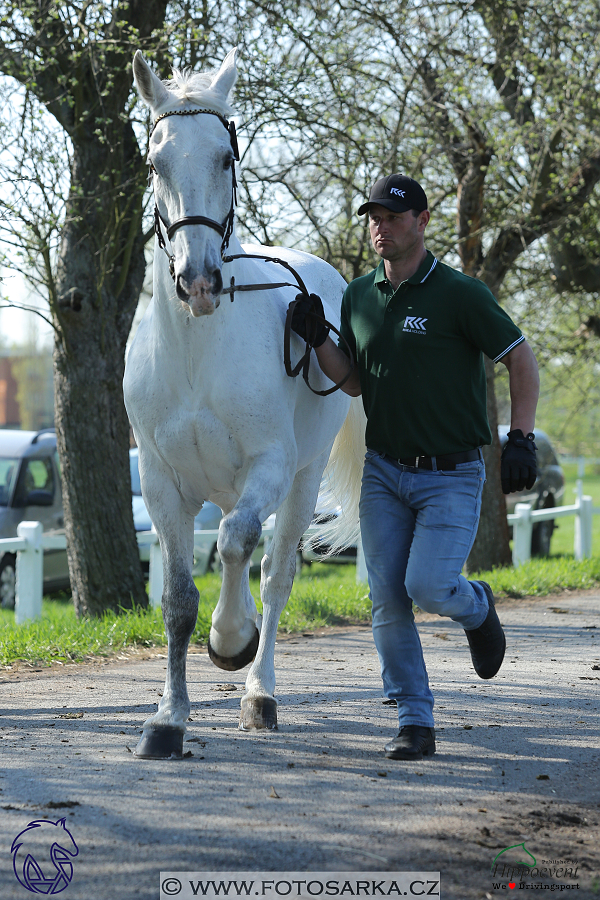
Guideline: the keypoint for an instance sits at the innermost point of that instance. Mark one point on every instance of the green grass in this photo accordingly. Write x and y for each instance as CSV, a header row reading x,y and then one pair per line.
x,y
331,598
540,577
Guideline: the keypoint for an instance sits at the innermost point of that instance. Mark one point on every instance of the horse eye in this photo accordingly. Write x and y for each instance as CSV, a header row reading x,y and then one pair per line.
x,y
228,162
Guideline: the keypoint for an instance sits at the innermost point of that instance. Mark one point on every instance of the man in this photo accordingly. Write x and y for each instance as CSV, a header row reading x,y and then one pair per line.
x,y
418,330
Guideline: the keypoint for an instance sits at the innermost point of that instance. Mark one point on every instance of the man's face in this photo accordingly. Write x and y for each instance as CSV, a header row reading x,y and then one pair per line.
x,y
396,235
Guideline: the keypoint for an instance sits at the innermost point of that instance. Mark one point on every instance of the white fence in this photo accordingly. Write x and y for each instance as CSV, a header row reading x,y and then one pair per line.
x,y
31,543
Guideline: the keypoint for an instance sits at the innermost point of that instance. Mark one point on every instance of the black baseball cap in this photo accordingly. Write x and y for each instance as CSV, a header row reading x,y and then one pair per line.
x,y
398,193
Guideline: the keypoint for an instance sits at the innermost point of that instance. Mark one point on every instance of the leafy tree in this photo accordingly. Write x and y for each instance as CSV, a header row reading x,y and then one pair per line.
x,y
73,60
492,106
75,183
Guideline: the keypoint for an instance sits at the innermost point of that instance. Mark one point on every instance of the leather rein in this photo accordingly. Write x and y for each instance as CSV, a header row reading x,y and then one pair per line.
x,y
225,230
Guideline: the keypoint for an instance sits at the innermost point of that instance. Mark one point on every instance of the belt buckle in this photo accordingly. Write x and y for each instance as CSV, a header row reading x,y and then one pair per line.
x,y
411,465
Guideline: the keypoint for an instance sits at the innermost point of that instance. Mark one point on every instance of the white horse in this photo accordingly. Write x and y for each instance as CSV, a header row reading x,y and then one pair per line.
x,y
214,414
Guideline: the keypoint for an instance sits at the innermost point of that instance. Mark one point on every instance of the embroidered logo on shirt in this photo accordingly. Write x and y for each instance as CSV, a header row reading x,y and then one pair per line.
x,y
415,325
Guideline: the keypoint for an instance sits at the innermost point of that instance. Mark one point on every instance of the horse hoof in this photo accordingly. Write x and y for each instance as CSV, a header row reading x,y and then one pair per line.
x,y
160,743
258,712
233,663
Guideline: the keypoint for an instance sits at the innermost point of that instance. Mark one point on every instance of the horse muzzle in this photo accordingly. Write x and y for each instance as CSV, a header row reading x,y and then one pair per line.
x,y
201,293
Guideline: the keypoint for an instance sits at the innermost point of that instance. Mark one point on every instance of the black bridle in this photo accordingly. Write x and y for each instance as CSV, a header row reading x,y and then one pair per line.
x,y
224,228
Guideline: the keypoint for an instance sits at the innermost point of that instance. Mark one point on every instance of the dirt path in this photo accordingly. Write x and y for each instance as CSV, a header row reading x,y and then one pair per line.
x,y
518,762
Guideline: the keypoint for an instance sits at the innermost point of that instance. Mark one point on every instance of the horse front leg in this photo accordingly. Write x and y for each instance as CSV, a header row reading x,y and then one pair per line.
x,y
162,736
233,638
258,705
234,635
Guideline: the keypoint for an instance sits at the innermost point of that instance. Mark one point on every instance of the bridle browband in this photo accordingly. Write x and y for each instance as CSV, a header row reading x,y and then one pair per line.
x,y
225,229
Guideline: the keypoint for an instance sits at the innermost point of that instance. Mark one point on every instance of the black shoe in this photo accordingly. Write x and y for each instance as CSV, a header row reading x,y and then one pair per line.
x,y
411,742
487,643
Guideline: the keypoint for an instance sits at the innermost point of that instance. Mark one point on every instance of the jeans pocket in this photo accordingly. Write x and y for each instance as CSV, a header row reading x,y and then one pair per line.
x,y
467,470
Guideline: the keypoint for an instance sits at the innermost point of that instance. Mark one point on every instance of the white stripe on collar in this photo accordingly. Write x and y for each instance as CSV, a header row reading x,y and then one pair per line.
x,y
433,265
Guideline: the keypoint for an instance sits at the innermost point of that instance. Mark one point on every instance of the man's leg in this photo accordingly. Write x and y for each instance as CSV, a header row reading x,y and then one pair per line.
x,y
387,526
448,505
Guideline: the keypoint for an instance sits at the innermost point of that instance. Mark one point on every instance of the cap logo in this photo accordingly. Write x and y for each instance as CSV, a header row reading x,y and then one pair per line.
x,y
397,191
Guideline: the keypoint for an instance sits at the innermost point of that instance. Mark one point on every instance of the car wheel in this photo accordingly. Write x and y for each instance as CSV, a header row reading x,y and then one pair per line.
x,y
8,581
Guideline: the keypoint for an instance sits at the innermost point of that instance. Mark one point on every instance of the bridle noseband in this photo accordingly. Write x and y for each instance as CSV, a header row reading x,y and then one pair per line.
x,y
224,228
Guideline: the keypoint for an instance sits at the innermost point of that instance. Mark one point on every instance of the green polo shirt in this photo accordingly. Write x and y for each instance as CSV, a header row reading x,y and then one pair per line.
x,y
419,351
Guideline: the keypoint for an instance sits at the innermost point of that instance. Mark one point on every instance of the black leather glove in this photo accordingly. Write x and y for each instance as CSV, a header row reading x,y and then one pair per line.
x,y
518,467
302,322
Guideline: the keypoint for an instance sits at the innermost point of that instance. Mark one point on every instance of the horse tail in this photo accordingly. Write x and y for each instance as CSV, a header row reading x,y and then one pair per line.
x,y
337,506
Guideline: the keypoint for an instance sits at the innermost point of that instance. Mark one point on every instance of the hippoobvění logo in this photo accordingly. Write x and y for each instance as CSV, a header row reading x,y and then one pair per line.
x,y
516,868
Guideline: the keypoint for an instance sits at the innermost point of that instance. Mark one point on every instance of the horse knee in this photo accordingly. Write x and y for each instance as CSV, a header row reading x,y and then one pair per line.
x,y
239,534
180,607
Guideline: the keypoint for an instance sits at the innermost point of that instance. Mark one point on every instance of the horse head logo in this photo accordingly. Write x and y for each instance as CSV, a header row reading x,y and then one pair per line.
x,y
517,847
42,855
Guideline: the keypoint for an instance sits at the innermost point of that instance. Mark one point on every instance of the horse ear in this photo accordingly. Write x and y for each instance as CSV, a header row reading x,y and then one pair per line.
x,y
226,76
152,90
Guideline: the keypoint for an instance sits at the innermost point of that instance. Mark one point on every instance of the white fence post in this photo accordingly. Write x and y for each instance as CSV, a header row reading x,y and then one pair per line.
x,y
361,566
155,576
30,573
522,527
582,545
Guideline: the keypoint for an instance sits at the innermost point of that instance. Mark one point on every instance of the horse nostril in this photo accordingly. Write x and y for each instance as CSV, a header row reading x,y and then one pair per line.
x,y
217,280
182,293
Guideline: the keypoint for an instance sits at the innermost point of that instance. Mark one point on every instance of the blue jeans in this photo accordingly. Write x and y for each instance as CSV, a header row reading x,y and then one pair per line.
x,y
417,530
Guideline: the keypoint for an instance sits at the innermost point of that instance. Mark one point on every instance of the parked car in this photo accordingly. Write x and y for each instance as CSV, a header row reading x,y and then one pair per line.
x,y
547,492
30,490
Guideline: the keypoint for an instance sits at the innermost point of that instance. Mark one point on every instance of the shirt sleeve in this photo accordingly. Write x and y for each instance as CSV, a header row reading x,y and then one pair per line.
x,y
486,324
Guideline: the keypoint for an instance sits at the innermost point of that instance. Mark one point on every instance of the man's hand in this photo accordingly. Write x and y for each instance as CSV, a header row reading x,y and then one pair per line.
x,y
304,324
518,468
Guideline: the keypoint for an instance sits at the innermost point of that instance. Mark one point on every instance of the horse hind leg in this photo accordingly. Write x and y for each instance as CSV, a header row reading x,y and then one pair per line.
x,y
258,705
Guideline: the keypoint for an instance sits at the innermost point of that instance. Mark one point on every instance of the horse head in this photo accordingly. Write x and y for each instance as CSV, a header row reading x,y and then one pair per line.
x,y
191,156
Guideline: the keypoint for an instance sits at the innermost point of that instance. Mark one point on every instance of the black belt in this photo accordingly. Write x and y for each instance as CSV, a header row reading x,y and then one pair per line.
x,y
443,463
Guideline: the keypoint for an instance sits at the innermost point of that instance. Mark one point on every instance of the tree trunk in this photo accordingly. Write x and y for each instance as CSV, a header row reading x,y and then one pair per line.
x,y
100,275
491,547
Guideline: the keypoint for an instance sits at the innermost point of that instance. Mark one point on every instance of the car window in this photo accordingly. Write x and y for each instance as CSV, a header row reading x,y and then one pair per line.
x,y
35,475
545,452
8,474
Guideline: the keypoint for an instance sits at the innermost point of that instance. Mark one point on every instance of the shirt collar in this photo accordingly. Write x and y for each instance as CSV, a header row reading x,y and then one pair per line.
x,y
421,275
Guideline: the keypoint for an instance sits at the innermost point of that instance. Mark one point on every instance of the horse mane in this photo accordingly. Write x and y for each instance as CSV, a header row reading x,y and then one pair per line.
x,y
188,86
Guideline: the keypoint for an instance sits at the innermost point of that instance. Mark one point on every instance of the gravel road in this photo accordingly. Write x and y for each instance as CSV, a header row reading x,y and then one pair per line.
x,y
518,762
